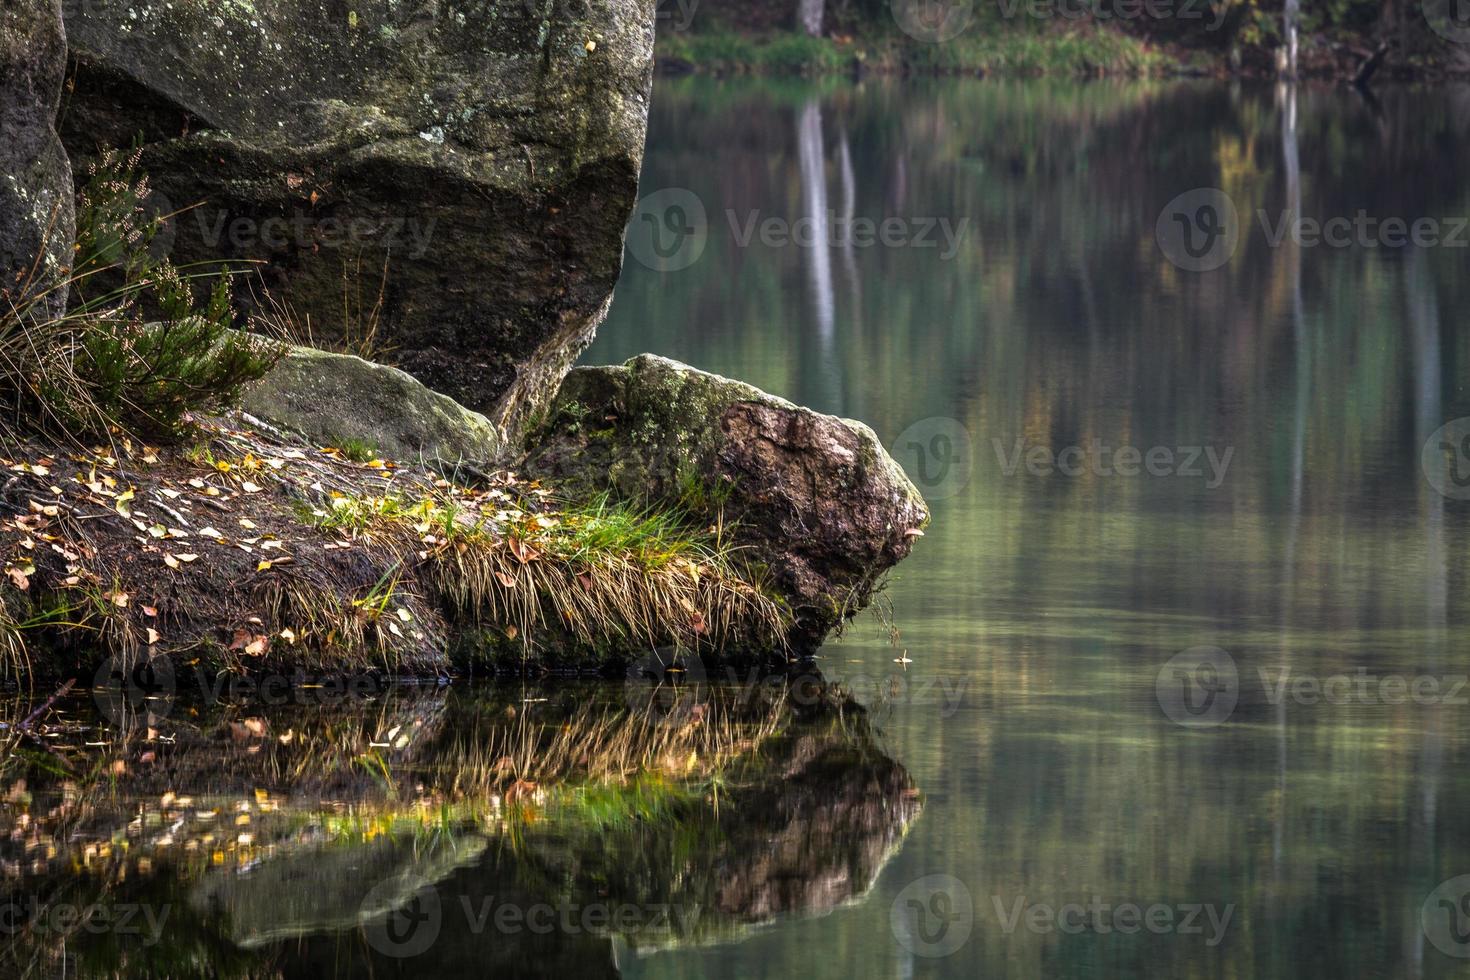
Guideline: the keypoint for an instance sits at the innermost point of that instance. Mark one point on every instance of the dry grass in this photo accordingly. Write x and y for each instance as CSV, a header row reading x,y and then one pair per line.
x,y
599,574
257,555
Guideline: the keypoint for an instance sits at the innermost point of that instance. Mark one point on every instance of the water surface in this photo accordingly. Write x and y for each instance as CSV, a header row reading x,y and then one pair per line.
x,y
1040,609
1099,705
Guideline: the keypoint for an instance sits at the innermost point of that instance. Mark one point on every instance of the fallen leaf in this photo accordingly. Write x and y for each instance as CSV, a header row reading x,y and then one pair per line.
x,y
152,636
524,553
21,580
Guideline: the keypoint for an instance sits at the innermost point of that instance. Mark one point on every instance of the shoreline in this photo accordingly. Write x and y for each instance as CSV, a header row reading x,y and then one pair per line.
x,y
1081,53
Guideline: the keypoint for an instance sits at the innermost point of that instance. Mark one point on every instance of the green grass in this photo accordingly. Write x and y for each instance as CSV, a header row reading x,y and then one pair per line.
x,y
985,48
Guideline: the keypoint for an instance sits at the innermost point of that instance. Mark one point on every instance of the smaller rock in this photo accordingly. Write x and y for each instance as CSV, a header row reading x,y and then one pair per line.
x,y
331,398
814,498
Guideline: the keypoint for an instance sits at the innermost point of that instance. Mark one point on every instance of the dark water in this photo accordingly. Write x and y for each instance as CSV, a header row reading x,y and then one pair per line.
x,y
1197,712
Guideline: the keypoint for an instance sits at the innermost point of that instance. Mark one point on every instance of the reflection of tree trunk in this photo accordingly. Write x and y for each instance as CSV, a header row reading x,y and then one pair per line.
x,y
809,16
848,208
816,253
1291,256
1423,315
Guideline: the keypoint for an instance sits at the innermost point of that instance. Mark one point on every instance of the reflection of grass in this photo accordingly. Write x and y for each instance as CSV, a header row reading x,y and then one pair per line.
x,y
412,766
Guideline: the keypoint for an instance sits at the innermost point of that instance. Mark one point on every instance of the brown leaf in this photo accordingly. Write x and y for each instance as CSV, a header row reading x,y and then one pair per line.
x,y
524,553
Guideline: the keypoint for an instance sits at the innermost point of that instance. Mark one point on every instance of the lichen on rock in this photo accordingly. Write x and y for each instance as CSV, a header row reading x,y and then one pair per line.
x,y
814,498
37,219
473,163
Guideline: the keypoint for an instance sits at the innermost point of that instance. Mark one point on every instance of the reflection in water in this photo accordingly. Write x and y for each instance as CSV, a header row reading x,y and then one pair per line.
x,y
1051,602
529,830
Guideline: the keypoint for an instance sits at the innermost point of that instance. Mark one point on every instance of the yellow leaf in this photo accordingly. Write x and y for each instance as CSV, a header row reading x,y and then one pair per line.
x,y
264,565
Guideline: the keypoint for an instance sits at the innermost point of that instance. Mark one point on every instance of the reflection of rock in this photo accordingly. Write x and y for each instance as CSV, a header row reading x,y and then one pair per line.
x,y
815,498
802,825
473,163
322,889
36,207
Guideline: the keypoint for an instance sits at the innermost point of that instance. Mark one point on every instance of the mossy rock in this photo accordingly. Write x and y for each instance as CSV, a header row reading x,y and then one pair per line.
x,y
815,499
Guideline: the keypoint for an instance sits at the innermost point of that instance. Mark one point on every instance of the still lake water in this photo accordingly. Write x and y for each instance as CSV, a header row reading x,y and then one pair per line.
x,y
1071,796
1040,609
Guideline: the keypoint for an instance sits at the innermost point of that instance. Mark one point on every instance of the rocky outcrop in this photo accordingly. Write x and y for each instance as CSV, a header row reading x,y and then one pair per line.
x,y
329,399
37,220
457,174
814,498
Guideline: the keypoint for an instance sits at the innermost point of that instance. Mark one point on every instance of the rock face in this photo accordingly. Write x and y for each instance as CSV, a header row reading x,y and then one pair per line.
x,y
329,398
36,197
457,172
815,498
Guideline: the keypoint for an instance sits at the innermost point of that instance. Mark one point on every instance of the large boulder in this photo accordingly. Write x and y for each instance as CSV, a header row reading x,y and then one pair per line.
x,y
37,220
814,498
452,174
